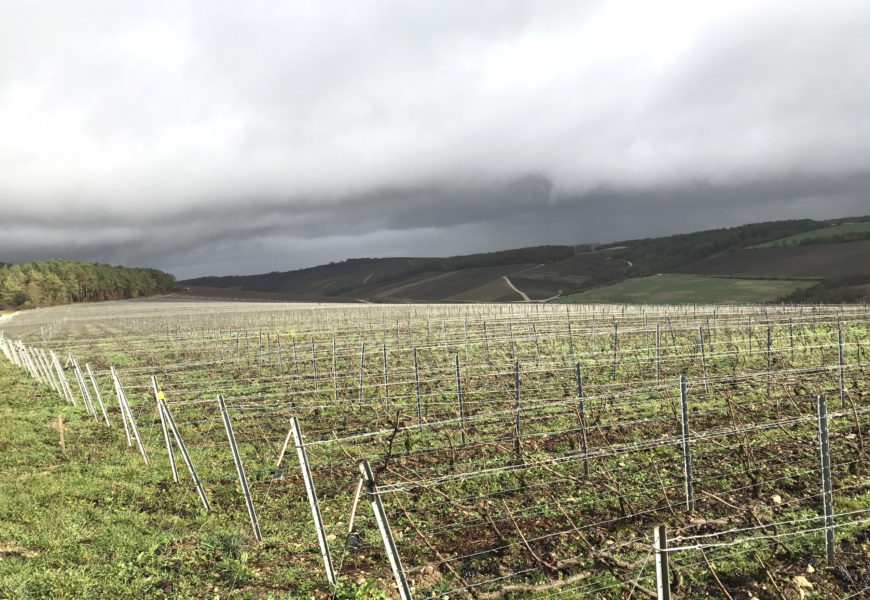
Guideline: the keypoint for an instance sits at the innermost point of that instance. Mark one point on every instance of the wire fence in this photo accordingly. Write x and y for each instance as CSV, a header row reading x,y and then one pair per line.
x,y
526,449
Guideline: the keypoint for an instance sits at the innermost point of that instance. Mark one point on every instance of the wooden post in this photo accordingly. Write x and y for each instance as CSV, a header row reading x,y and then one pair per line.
x,y
60,430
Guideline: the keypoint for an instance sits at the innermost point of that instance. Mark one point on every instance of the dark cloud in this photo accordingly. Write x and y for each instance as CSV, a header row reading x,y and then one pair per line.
x,y
227,138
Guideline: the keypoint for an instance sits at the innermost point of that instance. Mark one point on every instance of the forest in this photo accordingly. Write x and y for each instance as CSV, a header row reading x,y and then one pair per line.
x,y
59,281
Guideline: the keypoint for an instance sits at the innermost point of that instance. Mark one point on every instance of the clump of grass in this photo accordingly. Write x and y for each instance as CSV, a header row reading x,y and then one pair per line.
x,y
224,544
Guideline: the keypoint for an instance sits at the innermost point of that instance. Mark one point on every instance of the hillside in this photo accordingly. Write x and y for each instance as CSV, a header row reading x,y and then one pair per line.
x,y
799,254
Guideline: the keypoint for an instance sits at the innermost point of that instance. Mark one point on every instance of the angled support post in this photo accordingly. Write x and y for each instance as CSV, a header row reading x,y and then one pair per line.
x,y
83,388
374,497
36,367
46,365
302,455
97,393
158,396
119,394
177,435
64,384
125,408
240,469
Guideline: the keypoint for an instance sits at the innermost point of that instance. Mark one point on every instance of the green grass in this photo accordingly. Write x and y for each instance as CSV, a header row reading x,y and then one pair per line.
x,y
819,234
689,289
93,522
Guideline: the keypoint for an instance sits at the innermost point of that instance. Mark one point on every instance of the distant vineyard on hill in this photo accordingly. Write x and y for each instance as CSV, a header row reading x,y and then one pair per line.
x,y
747,255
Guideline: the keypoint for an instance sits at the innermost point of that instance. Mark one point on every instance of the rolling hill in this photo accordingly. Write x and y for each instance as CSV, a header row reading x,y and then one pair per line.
x,y
802,256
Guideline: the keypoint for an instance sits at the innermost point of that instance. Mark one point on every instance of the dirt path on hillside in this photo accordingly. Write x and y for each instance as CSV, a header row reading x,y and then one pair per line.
x,y
514,288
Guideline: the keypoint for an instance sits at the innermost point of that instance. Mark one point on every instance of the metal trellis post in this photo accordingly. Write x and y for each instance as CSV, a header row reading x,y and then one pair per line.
x,y
240,469
312,499
687,449
371,489
827,487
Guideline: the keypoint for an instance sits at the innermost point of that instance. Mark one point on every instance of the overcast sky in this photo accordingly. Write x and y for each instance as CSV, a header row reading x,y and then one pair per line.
x,y
242,137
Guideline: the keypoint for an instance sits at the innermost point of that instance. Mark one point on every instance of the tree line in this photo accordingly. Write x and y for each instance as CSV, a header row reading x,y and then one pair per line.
x,y
59,281
657,255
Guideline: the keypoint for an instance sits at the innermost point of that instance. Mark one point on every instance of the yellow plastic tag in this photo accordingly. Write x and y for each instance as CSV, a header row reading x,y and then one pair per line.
x,y
160,396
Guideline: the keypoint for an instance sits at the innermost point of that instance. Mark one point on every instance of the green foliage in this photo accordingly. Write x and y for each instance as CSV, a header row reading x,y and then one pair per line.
x,y
656,255
833,233
225,544
853,288
536,255
58,281
368,590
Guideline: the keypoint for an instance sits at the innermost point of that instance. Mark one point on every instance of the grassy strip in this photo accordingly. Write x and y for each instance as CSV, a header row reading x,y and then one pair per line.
x,y
94,523
820,234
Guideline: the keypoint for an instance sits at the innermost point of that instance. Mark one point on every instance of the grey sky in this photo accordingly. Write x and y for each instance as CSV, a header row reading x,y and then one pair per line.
x,y
227,137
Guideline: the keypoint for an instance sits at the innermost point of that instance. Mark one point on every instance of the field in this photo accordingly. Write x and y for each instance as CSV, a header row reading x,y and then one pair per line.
x,y
820,234
680,289
246,450
814,261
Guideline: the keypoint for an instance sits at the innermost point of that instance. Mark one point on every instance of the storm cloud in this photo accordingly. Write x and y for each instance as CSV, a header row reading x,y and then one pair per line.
x,y
230,138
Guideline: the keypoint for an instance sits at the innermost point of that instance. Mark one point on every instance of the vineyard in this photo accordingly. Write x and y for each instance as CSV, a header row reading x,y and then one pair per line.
x,y
488,451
